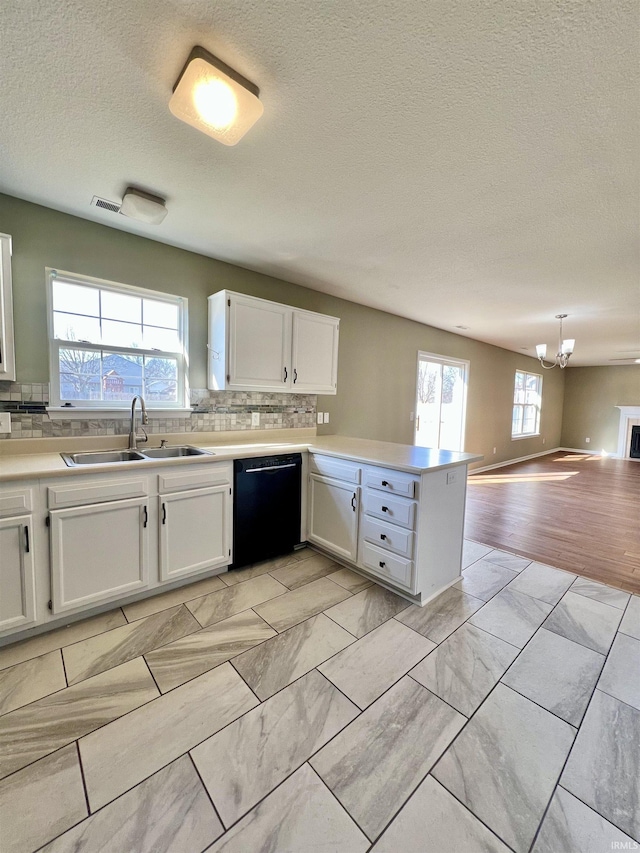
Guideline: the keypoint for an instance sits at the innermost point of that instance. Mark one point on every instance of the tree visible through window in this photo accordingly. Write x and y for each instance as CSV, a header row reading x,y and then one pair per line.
x,y
527,404
109,342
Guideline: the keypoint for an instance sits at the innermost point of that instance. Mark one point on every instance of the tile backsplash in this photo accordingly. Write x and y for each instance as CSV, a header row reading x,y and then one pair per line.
x,y
212,411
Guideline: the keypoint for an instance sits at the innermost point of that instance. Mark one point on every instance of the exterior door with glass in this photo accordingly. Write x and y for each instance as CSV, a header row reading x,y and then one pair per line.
x,y
441,398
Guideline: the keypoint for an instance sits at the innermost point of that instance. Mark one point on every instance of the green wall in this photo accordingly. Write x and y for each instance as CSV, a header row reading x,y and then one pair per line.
x,y
378,351
591,397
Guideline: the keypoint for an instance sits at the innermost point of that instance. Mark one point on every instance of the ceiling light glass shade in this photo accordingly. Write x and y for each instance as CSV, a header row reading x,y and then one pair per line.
x,y
215,99
565,349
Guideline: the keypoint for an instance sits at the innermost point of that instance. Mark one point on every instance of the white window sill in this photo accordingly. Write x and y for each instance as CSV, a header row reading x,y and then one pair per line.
x,y
528,435
86,413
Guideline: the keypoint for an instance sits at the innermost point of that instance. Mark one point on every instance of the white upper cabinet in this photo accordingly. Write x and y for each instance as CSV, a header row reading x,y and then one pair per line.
x,y
258,345
7,354
315,353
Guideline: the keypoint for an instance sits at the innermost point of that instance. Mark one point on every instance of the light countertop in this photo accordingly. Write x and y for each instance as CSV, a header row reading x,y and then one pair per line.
x,y
48,462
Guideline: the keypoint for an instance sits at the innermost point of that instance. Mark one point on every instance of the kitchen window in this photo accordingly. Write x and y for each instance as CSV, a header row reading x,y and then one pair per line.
x,y
527,404
109,342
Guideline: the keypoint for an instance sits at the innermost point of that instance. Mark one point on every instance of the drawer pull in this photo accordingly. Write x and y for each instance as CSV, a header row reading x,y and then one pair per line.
x,y
353,502
385,483
383,535
382,564
385,509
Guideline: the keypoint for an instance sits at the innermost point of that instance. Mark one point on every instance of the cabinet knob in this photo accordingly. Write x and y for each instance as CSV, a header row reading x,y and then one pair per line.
x,y
385,509
383,535
382,564
385,483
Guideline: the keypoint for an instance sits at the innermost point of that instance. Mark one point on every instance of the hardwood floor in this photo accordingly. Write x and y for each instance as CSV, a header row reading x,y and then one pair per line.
x,y
573,511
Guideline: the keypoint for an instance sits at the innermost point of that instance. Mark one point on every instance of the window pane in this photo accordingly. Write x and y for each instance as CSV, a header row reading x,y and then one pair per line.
x,y
162,339
161,380
519,398
529,419
119,306
117,334
519,380
75,298
121,376
79,374
516,423
75,327
160,314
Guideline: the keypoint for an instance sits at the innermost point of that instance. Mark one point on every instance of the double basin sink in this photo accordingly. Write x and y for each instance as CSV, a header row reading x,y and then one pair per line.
x,y
104,457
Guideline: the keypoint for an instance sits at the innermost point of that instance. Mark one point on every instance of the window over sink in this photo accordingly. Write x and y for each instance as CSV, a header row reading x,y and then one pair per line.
x,y
109,342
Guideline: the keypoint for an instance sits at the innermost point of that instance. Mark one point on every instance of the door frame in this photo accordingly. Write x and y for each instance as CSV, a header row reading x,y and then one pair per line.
x,y
442,360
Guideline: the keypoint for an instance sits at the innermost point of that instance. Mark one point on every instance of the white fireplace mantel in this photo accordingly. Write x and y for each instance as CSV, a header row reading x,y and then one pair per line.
x,y
627,414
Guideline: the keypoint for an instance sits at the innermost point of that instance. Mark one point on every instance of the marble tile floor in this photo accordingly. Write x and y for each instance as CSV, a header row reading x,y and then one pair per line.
x,y
294,707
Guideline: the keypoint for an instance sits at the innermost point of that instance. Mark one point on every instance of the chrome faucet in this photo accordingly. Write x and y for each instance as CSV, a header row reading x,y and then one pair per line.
x,y
134,438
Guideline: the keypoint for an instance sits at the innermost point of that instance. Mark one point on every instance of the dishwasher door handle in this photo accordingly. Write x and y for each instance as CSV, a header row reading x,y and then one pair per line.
x,y
269,468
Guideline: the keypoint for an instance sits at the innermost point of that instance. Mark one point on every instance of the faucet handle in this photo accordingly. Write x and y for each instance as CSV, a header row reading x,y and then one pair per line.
x,y
163,442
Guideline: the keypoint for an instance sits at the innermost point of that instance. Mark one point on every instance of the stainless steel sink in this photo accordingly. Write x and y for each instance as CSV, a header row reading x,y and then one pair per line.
x,y
101,457
173,452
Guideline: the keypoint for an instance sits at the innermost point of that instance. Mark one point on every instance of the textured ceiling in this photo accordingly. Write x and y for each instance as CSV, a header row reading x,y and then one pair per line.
x,y
456,162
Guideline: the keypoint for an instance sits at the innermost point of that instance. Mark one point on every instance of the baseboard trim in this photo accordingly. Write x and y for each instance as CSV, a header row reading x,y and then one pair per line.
x,y
516,460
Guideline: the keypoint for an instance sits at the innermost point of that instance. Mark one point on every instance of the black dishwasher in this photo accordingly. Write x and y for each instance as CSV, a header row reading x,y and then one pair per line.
x,y
266,507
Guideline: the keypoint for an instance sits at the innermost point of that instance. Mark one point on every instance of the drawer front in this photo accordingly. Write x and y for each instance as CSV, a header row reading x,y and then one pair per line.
x,y
395,569
389,537
96,491
186,478
392,482
15,502
396,510
337,469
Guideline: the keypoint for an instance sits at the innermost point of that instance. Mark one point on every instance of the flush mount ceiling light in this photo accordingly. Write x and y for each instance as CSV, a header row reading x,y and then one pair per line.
x,y
565,348
143,206
213,98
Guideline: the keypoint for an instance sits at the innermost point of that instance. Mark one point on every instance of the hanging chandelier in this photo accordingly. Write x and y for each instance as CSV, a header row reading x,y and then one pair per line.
x,y
565,348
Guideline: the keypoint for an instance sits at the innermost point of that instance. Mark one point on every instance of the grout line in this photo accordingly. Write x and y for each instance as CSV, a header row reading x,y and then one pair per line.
x,y
206,790
566,761
84,781
335,797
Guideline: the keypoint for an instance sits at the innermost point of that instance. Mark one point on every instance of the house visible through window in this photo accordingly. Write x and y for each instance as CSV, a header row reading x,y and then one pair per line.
x,y
527,402
109,342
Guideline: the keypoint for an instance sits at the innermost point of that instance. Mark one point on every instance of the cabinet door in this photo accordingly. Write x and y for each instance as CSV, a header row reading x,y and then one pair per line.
x,y
98,552
7,355
315,353
17,587
194,531
333,516
259,344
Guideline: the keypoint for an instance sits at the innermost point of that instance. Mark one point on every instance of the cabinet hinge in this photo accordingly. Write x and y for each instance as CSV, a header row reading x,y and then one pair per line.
x,y
228,377
229,551
229,491
47,521
229,303
50,604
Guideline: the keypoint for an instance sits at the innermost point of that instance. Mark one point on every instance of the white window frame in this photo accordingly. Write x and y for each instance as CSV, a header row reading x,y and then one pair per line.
x,y
76,407
445,361
538,406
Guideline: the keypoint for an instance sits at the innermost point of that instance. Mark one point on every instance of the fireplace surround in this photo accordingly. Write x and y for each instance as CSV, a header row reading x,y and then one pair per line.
x,y
629,417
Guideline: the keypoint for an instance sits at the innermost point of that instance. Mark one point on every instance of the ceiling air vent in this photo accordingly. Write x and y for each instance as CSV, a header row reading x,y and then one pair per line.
x,y
105,204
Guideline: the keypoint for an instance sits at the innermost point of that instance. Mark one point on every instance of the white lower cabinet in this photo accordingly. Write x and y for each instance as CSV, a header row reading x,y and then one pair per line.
x,y
98,552
17,585
406,532
194,531
333,515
